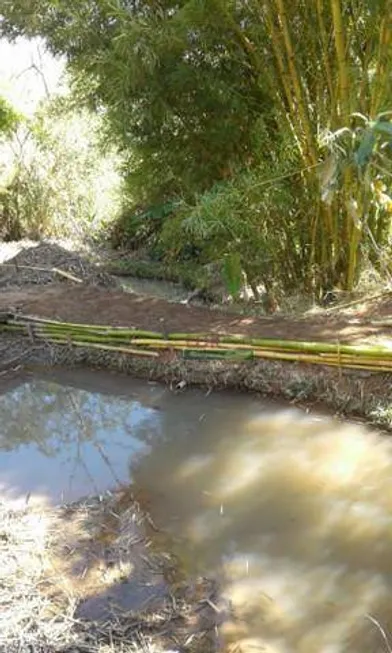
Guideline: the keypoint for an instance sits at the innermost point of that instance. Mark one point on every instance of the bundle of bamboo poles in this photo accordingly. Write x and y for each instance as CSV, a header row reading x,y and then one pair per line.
x,y
199,346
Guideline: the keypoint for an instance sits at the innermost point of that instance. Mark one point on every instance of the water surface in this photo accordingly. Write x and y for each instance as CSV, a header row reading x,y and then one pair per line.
x,y
292,512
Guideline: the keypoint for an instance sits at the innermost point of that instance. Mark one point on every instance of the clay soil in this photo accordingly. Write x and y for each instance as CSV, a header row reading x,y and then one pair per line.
x,y
95,305
33,281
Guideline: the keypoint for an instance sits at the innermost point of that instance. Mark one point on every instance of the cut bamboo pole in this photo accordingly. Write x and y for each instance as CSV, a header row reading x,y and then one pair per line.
x,y
21,319
202,346
113,348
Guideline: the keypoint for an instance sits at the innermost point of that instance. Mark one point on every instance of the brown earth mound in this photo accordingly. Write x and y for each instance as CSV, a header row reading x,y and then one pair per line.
x,y
49,263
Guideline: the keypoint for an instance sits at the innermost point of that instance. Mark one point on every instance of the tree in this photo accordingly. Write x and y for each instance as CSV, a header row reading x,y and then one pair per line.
x,y
200,92
183,103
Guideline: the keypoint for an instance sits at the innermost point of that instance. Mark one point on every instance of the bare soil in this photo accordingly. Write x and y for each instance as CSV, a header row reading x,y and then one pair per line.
x,y
94,305
32,282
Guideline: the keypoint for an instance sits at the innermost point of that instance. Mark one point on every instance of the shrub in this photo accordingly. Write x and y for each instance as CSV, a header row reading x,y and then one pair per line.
x,y
57,181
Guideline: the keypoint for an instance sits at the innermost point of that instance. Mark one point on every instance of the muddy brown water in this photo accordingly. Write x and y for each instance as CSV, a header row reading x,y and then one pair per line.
x,y
292,510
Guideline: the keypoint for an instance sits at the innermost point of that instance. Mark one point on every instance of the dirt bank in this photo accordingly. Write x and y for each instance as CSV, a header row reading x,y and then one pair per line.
x,y
92,305
50,281
97,300
347,393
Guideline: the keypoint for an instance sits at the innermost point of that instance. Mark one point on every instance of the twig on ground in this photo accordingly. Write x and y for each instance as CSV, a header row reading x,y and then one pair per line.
x,y
61,273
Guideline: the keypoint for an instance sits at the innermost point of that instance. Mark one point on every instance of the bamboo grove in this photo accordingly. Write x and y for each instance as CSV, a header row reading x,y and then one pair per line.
x,y
331,101
265,124
196,346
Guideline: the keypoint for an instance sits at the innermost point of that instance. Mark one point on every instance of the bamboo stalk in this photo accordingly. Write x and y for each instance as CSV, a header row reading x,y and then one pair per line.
x,y
260,347
126,334
341,362
20,319
307,358
295,345
296,82
223,342
275,345
340,46
204,346
191,339
285,77
324,48
381,77
284,87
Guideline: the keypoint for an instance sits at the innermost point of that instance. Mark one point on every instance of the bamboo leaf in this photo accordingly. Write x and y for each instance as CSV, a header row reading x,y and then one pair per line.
x,y
232,273
365,150
382,127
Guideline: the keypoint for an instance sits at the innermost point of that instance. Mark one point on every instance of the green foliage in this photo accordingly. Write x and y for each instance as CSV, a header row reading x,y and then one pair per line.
x,y
208,99
57,181
249,227
181,103
9,119
364,152
232,273
141,228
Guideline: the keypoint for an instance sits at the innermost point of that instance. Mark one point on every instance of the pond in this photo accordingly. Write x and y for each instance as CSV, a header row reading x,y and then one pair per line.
x,y
293,511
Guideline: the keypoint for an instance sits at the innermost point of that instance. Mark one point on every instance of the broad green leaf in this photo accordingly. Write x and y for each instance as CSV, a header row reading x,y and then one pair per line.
x,y
232,273
383,127
365,149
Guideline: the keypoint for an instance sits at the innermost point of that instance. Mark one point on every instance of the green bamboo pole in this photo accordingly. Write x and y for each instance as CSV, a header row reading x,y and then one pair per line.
x,y
126,334
200,340
324,48
204,346
20,319
296,345
184,339
113,348
257,347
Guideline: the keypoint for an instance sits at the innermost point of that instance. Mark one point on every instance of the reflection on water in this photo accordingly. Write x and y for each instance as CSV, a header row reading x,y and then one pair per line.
x,y
66,442
292,512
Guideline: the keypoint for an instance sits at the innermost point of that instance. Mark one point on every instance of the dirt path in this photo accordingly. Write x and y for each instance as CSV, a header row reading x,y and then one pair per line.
x,y
94,305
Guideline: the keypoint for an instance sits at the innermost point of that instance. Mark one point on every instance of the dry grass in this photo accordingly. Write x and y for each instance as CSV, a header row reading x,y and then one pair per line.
x,y
28,618
55,564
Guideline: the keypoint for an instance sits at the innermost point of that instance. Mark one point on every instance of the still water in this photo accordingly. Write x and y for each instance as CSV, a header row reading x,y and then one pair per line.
x,y
293,511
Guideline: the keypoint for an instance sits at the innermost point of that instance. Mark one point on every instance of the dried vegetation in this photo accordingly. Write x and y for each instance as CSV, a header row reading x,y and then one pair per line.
x,y
91,578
